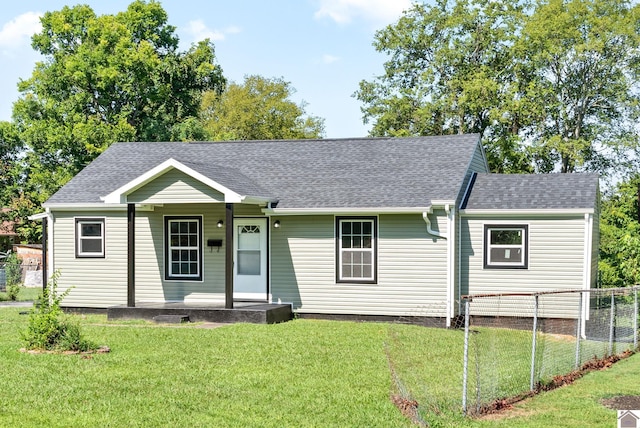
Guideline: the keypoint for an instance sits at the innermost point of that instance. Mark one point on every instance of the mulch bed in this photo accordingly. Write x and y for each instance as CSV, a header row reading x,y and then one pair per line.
x,y
622,402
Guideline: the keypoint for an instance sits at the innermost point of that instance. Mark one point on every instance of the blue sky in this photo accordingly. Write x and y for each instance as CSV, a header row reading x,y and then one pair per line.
x,y
323,47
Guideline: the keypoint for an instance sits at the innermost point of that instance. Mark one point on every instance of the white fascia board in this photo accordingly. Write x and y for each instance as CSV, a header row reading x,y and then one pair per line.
x,y
39,216
343,211
85,207
549,211
120,195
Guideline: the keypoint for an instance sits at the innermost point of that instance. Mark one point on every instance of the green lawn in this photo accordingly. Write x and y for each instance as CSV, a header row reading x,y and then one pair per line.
x,y
300,373
25,294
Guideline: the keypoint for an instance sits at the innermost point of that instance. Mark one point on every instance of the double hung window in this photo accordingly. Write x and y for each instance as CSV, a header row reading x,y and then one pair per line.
x,y
183,248
356,243
89,237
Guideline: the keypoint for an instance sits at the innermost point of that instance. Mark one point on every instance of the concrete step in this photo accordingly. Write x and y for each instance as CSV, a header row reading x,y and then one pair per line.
x,y
171,319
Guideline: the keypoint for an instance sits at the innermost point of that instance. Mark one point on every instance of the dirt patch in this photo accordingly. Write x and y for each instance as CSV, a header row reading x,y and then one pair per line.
x,y
622,402
85,354
409,408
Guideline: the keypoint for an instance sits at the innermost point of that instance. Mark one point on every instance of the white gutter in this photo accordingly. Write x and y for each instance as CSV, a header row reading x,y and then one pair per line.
x,y
343,211
528,212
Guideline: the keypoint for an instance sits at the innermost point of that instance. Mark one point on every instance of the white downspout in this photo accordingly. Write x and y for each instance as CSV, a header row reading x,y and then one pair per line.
x,y
451,231
50,246
430,231
450,250
586,274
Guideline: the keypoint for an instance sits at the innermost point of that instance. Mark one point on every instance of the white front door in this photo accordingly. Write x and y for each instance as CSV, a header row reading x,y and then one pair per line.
x,y
250,266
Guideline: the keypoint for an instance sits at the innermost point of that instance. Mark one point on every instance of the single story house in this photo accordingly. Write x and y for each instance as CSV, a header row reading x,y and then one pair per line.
x,y
361,227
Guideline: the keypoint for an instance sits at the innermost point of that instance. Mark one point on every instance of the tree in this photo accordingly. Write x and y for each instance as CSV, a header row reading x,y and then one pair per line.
x,y
549,86
258,109
619,264
104,79
10,148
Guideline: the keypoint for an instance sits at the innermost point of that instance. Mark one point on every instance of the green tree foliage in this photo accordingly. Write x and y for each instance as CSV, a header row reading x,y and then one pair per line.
x,y
10,148
619,263
104,79
550,85
258,109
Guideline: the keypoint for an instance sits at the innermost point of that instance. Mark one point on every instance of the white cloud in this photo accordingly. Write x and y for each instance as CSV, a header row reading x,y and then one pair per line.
x,y
380,12
199,31
20,29
328,59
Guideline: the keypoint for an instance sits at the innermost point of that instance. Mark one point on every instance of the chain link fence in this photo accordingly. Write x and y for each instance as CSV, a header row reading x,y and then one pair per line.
x,y
517,344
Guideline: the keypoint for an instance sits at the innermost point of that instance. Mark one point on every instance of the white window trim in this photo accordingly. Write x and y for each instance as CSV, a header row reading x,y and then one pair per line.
x,y
168,276
78,221
374,250
523,263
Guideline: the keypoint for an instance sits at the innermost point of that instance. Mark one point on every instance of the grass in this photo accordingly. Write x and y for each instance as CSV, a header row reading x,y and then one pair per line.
x,y
26,294
302,373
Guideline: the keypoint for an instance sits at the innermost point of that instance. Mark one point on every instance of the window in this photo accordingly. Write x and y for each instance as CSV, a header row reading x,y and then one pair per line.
x,y
505,246
356,250
183,248
89,237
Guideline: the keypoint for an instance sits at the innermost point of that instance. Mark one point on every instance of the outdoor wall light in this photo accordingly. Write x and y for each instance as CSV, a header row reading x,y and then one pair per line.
x,y
220,223
276,224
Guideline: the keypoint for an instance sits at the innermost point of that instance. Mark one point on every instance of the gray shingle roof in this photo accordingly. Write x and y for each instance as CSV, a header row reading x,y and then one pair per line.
x,y
331,173
533,191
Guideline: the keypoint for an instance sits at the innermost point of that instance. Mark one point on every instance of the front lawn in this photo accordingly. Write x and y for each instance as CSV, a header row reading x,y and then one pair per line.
x,y
300,373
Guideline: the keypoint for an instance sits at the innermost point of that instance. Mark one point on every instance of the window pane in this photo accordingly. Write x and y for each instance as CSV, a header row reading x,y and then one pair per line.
x,y
366,271
184,268
366,242
194,268
346,242
366,228
193,240
174,227
193,255
184,241
346,271
248,262
366,258
175,268
184,227
91,229
175,255
174,241
357,271
357,227
506,255
357,257
346,227
357,242
346,257
193,227
506,237
91,246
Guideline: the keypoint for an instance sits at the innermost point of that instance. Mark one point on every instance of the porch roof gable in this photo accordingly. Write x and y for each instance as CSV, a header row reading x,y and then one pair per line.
x,y
235,186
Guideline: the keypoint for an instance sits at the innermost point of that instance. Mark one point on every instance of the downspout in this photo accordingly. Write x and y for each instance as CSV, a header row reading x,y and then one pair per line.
x,y
450,248
451,231
588,247
430,231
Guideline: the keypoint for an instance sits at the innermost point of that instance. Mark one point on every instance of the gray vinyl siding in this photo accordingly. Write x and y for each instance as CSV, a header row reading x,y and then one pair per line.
x,y
556,262
412,271
174,187
151,285
96,282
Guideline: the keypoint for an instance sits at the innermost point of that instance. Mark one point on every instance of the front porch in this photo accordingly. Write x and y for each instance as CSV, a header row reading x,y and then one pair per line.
x,y
248,312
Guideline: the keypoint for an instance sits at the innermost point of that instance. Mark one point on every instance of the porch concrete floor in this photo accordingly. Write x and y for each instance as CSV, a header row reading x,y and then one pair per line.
x,y
249,312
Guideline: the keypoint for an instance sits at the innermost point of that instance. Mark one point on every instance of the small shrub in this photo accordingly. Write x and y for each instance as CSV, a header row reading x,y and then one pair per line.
x,y
49,329
12,291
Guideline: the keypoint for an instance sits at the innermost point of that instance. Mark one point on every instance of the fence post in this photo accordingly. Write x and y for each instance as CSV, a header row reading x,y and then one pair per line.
x,y
533,343
465,365
635,318
579,330
612,322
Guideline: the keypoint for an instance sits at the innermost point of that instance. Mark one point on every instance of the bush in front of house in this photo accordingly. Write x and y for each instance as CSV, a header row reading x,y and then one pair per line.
x,y
49,328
